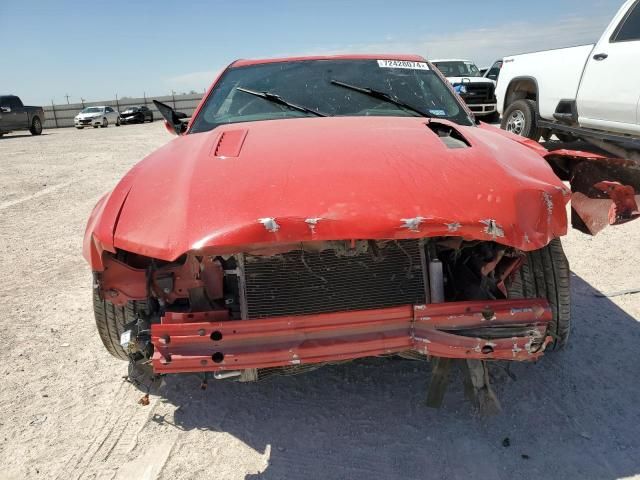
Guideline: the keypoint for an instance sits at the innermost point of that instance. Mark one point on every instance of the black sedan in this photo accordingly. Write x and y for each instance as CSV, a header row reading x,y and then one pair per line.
x,y
137,115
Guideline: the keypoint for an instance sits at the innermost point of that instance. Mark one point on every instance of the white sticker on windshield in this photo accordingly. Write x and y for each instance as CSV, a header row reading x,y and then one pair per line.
x,y
403,64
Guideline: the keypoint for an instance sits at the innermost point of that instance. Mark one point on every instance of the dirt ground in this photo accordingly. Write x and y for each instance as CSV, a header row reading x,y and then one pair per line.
x,y
66,413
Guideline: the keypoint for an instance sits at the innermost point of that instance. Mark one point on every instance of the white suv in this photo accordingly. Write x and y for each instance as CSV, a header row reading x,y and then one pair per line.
x,y
100,116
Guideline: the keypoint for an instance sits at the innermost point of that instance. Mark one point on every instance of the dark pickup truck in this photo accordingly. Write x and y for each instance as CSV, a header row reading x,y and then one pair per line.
x,y
15,116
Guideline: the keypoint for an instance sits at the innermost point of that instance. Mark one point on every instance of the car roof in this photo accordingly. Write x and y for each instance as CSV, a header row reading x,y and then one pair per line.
x,y
381,56
451,60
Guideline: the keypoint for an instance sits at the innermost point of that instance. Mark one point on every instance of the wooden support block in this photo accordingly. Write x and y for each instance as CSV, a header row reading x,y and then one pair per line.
x,y
477,387
439,381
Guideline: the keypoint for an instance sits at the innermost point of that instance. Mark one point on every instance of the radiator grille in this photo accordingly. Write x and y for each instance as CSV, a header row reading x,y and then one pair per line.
x,y
479,92
301,282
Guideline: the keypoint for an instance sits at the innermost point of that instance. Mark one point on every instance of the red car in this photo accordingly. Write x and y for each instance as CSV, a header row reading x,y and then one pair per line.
x,y
322,209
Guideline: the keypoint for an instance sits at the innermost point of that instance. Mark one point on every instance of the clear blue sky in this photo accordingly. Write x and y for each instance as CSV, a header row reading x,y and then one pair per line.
x,y
95,49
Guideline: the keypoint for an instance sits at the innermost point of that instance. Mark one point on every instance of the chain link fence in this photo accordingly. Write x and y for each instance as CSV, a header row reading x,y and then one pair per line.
x,y
58,116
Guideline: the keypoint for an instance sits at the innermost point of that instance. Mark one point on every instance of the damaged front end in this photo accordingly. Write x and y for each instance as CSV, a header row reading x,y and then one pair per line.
x,y
239,315
605,190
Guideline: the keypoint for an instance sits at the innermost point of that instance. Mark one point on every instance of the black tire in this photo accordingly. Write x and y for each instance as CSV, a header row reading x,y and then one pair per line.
x,y
520,118
79,128
117,122
105,123
36,126
546,274
111,319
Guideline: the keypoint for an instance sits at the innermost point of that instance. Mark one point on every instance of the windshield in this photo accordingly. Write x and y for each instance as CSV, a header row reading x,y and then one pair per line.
x,y
311,85
92,110
458,69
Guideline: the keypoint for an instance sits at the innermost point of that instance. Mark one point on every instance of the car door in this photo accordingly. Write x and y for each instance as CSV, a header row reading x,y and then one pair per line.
x,y
20,117
609,91
110,114
10,116
5,114
494,71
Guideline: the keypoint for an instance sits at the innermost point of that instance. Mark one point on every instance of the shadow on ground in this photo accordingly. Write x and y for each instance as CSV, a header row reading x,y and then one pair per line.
x,y
19,135
573,415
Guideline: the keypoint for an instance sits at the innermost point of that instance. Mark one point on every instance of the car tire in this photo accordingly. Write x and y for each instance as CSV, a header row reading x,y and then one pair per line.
x,y
117,122
79,128
111,321
546,274
36,126
105,123
521,119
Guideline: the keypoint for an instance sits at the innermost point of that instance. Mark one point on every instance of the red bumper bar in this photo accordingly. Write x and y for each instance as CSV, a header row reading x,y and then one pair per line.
x,y
498,329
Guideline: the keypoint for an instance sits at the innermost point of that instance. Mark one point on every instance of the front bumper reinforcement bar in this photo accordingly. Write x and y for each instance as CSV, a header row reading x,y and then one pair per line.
x,y
483,330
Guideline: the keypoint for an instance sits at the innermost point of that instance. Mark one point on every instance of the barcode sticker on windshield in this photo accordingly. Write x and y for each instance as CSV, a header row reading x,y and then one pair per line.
x,y
403,64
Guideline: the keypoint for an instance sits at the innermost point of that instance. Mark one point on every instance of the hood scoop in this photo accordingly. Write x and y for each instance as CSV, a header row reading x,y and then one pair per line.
x,y
448,134
230,143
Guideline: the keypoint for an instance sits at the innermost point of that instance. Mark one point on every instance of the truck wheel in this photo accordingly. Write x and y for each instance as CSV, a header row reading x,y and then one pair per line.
x,y
520,118
105,123
111,319
545,274
36,126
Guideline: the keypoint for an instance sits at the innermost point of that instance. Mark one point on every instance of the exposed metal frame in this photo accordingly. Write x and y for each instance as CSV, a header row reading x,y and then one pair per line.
x,y
242,287
626,141
200,342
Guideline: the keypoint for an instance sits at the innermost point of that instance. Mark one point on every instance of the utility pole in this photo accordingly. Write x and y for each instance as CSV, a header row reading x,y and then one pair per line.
x,y
117,104
82,100
67,97
173,95
53,109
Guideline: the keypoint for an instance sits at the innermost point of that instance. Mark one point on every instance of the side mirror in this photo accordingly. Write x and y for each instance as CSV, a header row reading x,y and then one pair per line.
x,y
172,118
5,109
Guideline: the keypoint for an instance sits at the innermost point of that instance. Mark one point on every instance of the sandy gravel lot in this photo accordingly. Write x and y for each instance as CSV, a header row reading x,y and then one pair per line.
x,y
66,413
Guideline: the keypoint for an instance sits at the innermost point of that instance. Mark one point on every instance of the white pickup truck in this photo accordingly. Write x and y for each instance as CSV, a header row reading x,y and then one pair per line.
x,y
477,91
588,91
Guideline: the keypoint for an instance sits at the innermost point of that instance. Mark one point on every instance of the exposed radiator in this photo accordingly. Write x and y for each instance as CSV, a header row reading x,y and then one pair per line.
x,y
302,282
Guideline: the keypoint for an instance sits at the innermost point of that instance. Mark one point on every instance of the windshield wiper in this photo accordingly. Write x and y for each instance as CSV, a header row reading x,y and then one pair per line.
x,y
277,99
381,96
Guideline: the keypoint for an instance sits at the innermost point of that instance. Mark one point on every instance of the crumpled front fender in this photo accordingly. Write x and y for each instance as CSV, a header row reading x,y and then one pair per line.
x,y
101,226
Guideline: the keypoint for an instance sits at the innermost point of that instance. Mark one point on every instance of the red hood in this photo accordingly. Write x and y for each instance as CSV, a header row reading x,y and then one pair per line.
x,y
287,181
